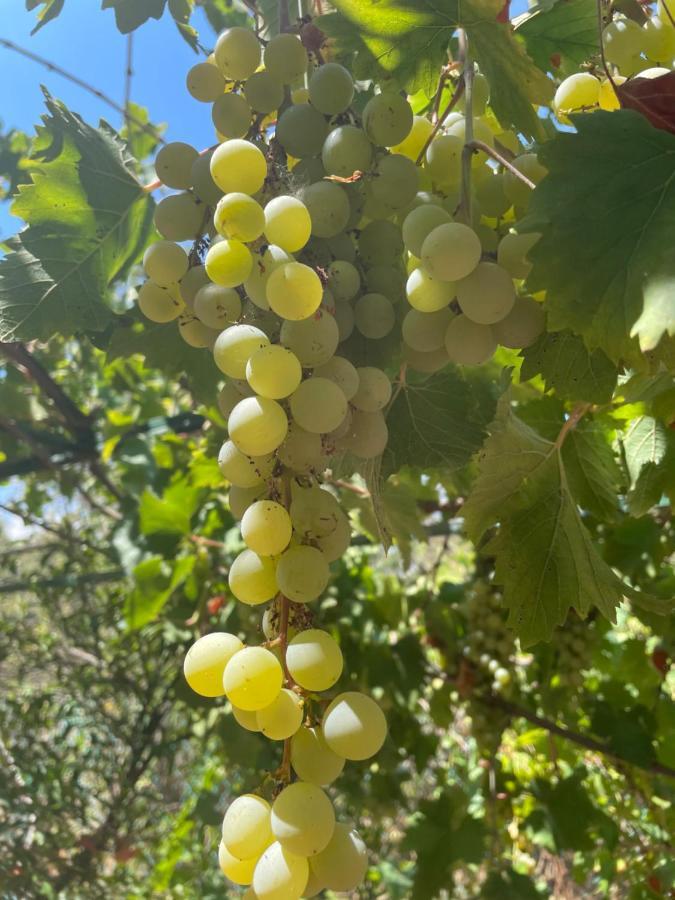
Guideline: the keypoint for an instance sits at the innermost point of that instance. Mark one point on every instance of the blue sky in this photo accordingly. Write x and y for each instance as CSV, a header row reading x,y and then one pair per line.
x,y
85,41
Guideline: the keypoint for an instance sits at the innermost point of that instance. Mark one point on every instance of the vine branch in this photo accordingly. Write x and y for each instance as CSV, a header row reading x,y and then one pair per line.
x,y
476,145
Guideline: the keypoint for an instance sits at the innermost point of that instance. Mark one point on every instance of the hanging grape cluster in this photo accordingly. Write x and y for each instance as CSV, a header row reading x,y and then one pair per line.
x,y
320,240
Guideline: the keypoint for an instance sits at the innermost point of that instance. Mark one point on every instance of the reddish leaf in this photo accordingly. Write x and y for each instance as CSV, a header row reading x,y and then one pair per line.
x,y
214,604
660,660
654,98
556,59
503,14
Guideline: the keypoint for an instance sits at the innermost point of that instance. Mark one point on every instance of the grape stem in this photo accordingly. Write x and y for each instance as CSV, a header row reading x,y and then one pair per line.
x,y
602,47
476,145
454,100
467,152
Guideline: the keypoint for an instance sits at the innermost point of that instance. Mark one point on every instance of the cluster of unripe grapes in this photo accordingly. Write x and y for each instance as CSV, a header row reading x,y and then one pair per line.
x,y
574,643
487,652
320,239
630,49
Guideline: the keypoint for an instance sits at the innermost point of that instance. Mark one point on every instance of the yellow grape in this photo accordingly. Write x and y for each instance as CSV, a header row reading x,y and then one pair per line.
x,y
469,343
239,871
248,719
312,759
294,291
280,874
287,223
241,470
240,217
247,829
159,304
282,718
238,165
257,425
252,578
486,295
354,726
314,660
343,864
205,82
235,346
165,262
217,306
273,372
206,660
173,164
228,263
303,819
318,405
252,678
428,294
266,528
302,574
237,53
451,251
286,59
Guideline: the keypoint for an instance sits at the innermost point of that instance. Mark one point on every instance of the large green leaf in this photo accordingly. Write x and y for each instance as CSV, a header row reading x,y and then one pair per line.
x,y
569,368
645,448
592,471
89,220
607,215
544,556
409,41
155,583
562,36
438,422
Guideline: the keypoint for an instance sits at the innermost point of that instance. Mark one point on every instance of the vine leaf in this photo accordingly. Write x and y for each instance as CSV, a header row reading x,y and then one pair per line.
x,y
409,41
131,14
544,557
438,422
569,368
654,98
561,37
88,222
645,446
155,583
607,252
50,10
592,471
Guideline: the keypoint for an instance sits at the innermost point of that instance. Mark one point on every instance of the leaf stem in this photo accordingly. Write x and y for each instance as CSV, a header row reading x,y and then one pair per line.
x,y
571,422
476,145
104,98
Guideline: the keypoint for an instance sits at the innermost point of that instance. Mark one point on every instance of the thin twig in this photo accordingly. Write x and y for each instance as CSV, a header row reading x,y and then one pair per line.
x,y
104,98
467,152
475,146
128,76
454,100
442,81
602,46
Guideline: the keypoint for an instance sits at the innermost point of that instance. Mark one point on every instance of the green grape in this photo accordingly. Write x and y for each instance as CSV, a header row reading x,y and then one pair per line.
x,y
522,326
239,871
247,829
386,279
312,759
302,451
344,280
241,470
516,190
159,304
354,726
387,119
202,183
252,578
411,146
280,874
328,206
287,223
486,295
314,660
228,397
205,82
343,864
394,181
301,130
194,332
427,362
419,223
237,53
314,512
266,528
206,660
577,93
238,165
344,318
480,95
481,132
422,198
443,159
282,718
302,574
380,243
489,239
331,89
239,217
257,425
217,306
342,373
622,40
374,390
274,372
247,719
346,150
285,58
228,263
425,331
335,544
468,343
180,217
173,164
252,678
231,115
426,294
308,171
658,40
194,279
314,340
263,265
235,346
303,819
294,291
451,251
239,499
374,315
264,92
512,253
492,197
165,262
368,435
318,405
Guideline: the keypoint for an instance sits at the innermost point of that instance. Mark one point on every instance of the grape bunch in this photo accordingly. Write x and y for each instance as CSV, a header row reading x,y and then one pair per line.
x,y
320,241
630,49
487,654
